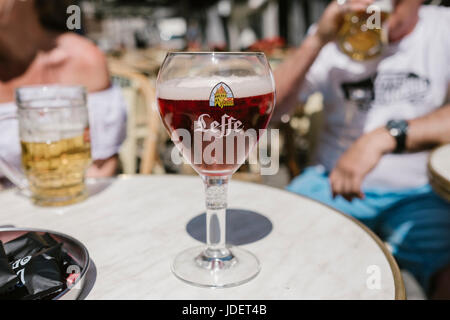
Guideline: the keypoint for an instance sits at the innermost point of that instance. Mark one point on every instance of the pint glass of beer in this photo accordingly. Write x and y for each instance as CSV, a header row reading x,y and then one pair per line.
x,y
55,141
215,106
363,34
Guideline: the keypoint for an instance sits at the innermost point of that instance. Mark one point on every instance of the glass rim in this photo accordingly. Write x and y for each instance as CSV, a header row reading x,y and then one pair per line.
x,y
218,53
50,86
27,94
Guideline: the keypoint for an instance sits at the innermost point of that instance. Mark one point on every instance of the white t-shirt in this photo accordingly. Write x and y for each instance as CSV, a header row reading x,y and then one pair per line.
x,y
107,123
409,80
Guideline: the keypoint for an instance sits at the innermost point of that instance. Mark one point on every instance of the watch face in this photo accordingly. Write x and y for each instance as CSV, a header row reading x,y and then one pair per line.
x,y
394,132
398,125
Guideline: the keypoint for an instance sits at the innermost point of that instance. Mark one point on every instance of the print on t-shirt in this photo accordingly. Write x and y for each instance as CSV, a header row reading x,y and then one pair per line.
x,y
361,92
386,88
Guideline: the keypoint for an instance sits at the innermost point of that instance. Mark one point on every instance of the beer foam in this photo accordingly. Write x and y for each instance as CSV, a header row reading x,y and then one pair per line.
x,y
200,88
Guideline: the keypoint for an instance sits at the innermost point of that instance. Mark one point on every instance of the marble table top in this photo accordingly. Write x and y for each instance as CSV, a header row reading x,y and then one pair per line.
x,y
133,227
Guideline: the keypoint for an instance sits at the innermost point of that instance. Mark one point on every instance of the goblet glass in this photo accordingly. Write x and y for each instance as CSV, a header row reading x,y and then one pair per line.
x,y
215,107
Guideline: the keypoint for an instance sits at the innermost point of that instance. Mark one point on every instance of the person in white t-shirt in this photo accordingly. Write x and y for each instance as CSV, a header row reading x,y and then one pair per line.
x,y
381,115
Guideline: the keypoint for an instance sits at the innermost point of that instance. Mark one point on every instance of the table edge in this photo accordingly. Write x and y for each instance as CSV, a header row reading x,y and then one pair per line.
x,y
399,285
443,180
400,291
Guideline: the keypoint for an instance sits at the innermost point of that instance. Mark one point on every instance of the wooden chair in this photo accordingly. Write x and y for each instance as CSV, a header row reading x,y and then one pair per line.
x,y
142,122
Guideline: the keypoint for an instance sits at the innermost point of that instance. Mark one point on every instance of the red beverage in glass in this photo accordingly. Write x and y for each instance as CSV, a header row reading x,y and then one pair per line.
x,y
215,147
215,106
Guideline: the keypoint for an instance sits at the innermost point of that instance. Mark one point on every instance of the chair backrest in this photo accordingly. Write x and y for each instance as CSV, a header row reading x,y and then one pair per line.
x,y
143,120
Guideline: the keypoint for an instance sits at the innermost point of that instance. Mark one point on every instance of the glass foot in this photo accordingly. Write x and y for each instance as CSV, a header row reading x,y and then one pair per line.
x,y
197,267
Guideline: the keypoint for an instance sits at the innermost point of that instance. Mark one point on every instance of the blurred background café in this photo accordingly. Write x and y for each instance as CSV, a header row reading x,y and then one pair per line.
x,y
136,36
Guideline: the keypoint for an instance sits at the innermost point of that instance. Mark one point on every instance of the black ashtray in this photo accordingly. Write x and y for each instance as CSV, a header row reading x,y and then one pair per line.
x,y
38,264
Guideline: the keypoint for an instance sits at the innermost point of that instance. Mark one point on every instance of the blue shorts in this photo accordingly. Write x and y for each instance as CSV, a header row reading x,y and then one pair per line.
x,y
414,222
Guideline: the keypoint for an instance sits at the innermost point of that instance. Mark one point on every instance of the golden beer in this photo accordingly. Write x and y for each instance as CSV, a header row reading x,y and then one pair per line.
x,y
56,170
359,41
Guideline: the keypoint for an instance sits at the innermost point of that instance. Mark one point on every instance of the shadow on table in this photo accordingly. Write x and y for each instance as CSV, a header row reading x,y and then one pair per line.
x,y
91,277
98,185
243,227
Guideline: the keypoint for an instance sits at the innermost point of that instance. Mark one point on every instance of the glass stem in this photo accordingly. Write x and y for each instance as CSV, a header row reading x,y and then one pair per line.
x,y
216,205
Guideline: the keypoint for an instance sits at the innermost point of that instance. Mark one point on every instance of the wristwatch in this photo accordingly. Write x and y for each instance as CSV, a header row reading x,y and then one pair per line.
x,y
398,129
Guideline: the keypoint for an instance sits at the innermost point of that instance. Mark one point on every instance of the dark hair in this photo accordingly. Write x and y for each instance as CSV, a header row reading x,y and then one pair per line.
x,y
53,13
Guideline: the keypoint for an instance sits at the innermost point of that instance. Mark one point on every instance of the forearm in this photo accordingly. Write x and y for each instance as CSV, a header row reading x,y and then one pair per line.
x,y
289,76
430,130
423,133
353,166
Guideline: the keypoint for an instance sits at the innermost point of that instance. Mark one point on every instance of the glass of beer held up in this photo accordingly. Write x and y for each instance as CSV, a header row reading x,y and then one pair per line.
x,y
215,107
55,142
363,34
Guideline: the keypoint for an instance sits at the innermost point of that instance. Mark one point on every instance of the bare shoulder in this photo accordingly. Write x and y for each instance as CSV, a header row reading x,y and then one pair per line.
x,y
85,63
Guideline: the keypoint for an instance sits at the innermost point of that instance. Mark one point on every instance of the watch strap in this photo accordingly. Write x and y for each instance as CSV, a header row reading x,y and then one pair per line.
x,y
398,129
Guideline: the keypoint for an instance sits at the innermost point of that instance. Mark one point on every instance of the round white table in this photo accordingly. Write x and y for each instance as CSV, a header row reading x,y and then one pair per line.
x,y
133,227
